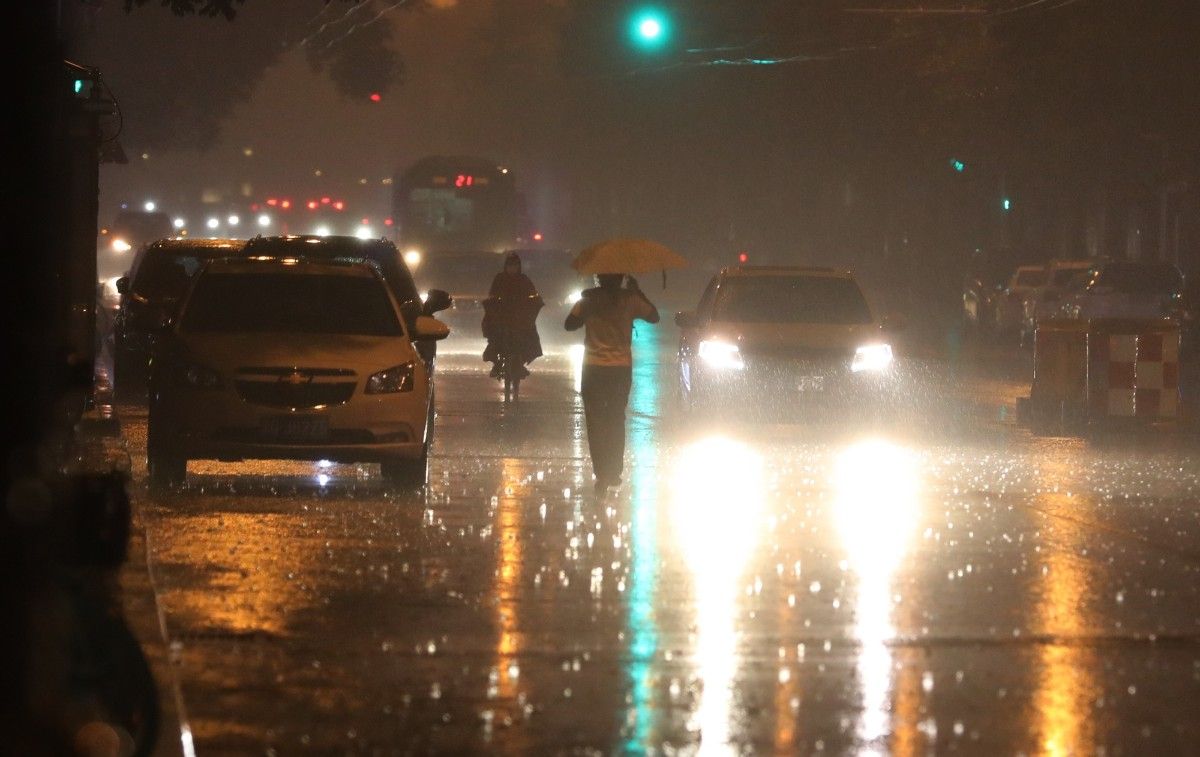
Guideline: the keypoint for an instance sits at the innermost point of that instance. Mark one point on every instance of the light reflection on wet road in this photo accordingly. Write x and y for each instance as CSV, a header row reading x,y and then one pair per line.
x,y
962,586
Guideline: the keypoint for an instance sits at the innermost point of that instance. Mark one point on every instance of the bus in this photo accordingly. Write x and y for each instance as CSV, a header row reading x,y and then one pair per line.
x,y
458,204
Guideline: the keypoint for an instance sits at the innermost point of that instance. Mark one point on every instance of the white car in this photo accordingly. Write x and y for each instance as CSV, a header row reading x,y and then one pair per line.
x,y
765,341
1010,303
1130,289
287,358
1047,301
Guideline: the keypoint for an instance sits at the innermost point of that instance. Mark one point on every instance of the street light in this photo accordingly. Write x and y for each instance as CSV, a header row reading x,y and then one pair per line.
x,y
650,28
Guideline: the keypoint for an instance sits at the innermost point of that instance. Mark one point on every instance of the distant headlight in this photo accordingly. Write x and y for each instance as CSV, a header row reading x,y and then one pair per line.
x,y
574,297
201,377
120,245
395,379
424,296
412,257
719,354
872,357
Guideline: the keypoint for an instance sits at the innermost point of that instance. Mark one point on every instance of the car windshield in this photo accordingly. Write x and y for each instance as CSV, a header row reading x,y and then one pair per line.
x,y
791,299
1034,277
166,275
1133,278
290,303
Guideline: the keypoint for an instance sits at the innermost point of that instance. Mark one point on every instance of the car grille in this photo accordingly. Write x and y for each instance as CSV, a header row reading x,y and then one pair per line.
x,y
344,436
788,362
295,396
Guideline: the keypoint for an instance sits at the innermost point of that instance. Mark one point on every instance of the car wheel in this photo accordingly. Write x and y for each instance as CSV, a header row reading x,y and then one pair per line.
x,y
406,473
166,465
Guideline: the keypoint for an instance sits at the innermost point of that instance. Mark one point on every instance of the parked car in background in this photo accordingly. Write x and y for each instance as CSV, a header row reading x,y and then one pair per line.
x,y
148,296
1047,301
292,359
1130,289
1008,311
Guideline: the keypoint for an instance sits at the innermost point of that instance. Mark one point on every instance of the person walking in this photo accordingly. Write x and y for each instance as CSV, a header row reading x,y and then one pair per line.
x,y
607,312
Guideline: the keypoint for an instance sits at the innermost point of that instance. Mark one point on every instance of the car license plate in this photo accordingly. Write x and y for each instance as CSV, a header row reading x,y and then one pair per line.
x,y
297,428
811,383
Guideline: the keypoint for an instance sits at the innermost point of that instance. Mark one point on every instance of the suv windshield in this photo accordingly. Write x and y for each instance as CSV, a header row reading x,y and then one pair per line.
x,y
1140,278
1031,278
165,275
1065,276
791,299
290,303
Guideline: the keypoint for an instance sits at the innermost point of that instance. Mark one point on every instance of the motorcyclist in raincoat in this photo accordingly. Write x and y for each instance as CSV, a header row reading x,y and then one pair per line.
x,y
510,318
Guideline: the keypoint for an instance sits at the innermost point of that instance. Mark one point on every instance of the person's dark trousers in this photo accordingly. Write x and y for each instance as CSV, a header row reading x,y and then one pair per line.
x,y
605,392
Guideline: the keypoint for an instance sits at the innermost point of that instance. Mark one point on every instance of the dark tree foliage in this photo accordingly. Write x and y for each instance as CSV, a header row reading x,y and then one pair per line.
x,y
216,63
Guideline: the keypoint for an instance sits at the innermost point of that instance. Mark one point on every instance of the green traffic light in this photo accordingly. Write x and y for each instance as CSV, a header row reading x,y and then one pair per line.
x,y
1007,204
958,165
650,28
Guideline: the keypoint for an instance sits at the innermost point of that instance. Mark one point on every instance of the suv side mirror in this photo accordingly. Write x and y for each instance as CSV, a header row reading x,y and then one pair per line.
x,y
123,285
436,300
686,320
429,328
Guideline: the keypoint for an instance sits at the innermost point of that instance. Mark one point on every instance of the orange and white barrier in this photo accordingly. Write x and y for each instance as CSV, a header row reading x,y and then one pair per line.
x,y
1104,370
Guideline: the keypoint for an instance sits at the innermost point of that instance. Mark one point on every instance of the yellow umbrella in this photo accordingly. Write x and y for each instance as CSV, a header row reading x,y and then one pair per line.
x,y
628,256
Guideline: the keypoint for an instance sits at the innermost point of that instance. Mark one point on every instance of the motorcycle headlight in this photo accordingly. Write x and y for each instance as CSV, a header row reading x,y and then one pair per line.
x,y
720,354
398,378
201,377
872,357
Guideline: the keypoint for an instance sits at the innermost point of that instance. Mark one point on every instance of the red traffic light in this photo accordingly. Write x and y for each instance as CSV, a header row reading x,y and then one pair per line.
x,y
376,97
537,236
743,257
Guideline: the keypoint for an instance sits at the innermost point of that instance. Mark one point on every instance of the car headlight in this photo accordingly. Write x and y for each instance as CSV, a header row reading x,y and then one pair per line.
x,y
412,258
201,377
120,245
395,379
574,297
872,357
720,354
424,296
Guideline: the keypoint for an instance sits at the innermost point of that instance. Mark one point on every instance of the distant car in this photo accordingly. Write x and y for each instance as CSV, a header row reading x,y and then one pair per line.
x,y
770,339
1008,311
1047,301
1130,289
379,253
148,296
988,274
467,277
286,358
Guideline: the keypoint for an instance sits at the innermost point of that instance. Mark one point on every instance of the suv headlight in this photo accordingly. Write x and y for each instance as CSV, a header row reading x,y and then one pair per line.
x,y
872,357
395,379
720,354
201,377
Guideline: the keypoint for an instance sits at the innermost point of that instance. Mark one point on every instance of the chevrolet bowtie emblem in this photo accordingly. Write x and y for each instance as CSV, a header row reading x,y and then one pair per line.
x,y
295,378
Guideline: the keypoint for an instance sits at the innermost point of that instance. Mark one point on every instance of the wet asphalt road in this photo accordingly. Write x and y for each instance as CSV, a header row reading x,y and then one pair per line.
x,y
953,584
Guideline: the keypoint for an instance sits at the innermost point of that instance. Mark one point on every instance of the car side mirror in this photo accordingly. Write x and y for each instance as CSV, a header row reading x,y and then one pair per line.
x,y
123,285
686,320
429,328
436,300
894,322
